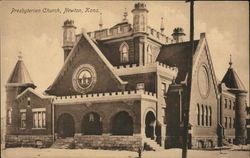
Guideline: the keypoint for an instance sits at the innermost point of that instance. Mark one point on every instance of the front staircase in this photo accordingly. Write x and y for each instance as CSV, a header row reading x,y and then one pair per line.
x,y
150,144
63,143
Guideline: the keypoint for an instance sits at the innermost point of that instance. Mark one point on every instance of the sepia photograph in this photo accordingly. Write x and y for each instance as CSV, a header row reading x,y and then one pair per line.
x,y
125,79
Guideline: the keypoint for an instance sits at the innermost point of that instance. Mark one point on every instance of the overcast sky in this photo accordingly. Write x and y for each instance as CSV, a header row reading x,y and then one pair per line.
x,y
39,35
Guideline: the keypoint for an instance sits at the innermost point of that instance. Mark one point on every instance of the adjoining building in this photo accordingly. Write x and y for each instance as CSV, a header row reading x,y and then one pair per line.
x,y
122,88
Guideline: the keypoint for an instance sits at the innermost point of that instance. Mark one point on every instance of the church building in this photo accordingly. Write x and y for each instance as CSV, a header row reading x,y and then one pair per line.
x,y
123,88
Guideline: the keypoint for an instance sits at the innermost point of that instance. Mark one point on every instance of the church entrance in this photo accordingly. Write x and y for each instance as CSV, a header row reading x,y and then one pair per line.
x,y
92,124
122,124
150,125
66,126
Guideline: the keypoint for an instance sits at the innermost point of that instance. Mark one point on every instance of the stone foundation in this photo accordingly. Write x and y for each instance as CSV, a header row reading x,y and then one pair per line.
x,y
41,141
204,142
131,143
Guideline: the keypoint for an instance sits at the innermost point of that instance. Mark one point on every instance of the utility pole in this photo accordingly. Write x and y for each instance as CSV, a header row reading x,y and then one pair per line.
x,y
187,88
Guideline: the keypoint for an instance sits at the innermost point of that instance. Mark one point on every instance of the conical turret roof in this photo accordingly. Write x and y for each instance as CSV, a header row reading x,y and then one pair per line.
x,y
20,75
232,80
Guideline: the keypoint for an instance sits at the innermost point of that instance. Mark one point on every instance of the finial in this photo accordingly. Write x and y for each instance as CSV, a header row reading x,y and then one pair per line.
x,y
162,25
100,22
125,14
230,62
20,56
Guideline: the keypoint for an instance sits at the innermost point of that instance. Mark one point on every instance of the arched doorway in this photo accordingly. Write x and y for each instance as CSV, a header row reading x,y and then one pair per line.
x,y
150,125
122,124
92,124
66,126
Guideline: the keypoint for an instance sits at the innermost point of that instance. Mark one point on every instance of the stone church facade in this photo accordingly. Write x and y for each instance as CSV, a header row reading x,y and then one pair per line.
x,y
122,88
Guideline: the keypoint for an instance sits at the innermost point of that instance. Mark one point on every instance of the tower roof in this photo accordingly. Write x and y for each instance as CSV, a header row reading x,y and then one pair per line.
x,y
20,75
232,80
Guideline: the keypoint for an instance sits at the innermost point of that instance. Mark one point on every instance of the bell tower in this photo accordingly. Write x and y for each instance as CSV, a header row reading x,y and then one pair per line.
x,y
68,37
140,14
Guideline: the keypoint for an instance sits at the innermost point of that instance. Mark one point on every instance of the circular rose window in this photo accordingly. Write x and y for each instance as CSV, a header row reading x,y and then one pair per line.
x,y
203,81
84,78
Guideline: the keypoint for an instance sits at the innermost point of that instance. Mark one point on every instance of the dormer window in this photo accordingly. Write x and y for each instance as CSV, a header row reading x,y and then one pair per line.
x,y
150,55
124,52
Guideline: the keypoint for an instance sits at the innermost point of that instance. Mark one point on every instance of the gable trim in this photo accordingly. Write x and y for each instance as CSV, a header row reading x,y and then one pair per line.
x,y
201,46
34,92
96,49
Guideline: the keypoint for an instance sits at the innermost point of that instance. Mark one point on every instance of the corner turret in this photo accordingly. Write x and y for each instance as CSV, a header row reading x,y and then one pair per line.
x,y
18,81
233,82
140,15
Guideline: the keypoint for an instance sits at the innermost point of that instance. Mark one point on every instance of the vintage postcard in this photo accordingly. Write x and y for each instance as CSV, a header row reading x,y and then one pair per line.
x,y
130,79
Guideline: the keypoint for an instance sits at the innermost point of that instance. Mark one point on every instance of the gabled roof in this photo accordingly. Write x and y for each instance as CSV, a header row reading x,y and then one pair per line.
x,y
34,92
176,55
20,75
99,53
232,80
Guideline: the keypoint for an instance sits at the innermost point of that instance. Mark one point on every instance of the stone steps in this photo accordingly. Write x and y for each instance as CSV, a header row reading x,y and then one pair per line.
x,y
66,143
151,145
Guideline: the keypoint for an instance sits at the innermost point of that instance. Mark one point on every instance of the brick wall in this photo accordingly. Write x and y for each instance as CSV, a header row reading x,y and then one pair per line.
x,y
149,80
35,102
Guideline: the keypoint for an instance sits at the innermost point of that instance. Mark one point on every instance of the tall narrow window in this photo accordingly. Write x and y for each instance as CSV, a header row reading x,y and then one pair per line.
x,y
230,104
225,103
9,116
225,122
230,122
23,119
206,115
39,118
210,116
124,52
233,122
202,115
150,55
198,114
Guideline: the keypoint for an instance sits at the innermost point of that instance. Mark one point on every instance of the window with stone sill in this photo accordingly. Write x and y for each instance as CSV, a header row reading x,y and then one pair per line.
x,y
23,119
39,119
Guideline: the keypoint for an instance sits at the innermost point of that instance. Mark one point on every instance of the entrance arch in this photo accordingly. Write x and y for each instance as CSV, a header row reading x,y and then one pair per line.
x,y
66,126
150,125
92,124
122,124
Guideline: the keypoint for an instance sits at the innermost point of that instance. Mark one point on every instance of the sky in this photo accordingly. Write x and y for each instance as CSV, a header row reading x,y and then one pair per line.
x,y
39,35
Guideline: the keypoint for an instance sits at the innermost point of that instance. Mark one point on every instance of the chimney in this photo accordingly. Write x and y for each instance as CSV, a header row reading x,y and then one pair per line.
x,y
68,37
178,34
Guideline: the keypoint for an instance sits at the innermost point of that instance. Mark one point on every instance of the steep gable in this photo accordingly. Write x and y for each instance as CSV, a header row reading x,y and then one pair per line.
x,y
86,55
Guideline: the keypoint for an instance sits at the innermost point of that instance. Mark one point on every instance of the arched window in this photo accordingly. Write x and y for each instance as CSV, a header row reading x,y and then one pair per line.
x,y
124,52
202,115
92,124
198,114
150,55
206,116
122,124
